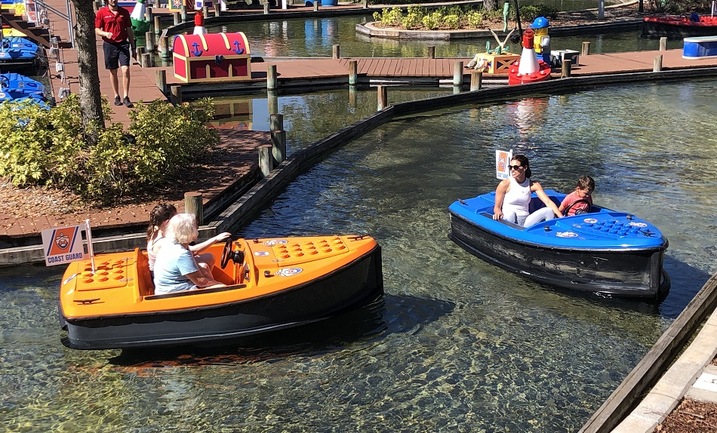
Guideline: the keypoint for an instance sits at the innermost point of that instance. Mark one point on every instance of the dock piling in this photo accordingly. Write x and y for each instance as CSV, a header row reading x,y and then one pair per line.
x,y
271,80
657,64
161,80
278,137
382,97
458,73
149,41
476,80
353,72
176,18
431,52
266,161
663,44
157,25
194,205
566,68
266,7
176,91
586,49
336,51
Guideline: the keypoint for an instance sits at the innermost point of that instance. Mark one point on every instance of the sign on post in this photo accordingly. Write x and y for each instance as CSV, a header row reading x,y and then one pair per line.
x,y
62,245
502,160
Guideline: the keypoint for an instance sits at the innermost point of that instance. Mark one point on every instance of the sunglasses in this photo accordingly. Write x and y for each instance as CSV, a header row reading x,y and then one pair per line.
x,y
515,167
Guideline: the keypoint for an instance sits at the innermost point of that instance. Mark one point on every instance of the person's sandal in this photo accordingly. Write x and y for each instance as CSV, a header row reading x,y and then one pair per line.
x,y
127,102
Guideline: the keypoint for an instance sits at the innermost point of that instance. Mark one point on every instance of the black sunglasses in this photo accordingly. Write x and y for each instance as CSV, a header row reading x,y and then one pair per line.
x,y
515,167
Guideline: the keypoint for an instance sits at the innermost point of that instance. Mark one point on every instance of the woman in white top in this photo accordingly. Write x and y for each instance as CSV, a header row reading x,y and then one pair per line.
x,y
512,196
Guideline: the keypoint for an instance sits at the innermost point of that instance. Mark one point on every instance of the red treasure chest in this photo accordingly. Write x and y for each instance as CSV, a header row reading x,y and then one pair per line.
x,y
212,57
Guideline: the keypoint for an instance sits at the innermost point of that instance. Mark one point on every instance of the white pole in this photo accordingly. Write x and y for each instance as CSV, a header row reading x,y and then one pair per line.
x,y
90,250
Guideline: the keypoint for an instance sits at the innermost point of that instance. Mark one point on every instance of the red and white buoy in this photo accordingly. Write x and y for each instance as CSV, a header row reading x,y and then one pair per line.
x,y
528,68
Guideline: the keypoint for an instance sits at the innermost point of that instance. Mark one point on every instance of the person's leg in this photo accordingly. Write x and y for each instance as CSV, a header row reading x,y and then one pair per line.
x,y
115,83
111,64
125,80
124,61
510,216
542,214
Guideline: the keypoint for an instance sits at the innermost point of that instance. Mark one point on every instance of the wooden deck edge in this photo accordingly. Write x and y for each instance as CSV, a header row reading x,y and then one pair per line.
x,y
646,373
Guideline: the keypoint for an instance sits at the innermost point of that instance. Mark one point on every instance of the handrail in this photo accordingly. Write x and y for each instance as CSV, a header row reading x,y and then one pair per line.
x,y
68,16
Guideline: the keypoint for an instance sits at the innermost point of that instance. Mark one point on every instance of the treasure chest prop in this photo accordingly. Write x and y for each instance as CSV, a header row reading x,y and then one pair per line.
x,y
211,57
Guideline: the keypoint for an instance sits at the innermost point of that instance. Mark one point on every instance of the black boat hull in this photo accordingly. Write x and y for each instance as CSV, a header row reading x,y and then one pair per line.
x,y
344,289
617,273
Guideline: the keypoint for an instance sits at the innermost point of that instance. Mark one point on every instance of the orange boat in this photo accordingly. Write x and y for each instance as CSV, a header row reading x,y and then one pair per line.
x,y
271,284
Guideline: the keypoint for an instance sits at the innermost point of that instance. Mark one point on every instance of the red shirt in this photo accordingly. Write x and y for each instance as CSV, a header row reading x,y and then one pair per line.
x,y
117,23
572,198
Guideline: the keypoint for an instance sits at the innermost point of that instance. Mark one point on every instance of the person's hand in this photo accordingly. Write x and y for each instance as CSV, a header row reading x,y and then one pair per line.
x,y
222,236
498,215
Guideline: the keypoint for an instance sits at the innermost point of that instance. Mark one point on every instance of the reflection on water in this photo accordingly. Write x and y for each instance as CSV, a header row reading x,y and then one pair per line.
x,y
456,344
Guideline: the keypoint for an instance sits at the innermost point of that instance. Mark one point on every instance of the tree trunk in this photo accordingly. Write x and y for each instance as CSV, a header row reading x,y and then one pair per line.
x,y
85,42
489,5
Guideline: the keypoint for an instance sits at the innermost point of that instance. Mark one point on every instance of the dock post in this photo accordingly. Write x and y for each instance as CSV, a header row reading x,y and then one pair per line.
x,y
205,11
663,44
266,7
149,14
176,91
161,80
217,9
458,73
164,46
586,49
224,29
146,60
266,162
183,12
431,52
476,80
176,18
271,81
278,137
353,72
316,5
657,64
157,25
365,4
566,69
149,41
194,205
336,51
155,3
272,100
382,96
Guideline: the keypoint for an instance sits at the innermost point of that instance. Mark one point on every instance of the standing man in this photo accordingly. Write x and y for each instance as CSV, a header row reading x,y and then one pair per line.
x,y
114,25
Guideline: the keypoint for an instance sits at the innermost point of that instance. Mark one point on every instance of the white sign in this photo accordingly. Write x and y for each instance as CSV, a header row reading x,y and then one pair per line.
x,y
62,245
502,161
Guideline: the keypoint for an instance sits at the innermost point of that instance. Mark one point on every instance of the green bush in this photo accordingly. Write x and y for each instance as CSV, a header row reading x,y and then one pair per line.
x,y
531,12
49,147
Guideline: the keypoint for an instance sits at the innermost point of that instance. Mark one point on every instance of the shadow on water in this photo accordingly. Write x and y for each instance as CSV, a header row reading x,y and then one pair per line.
x,y
390,314
689,279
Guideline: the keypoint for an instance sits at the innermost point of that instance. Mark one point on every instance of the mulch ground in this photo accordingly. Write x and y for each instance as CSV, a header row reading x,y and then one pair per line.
x,y
28,211
691,417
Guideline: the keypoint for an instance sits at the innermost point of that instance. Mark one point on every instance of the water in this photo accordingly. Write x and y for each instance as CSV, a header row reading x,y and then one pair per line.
x,y
315,37
457,345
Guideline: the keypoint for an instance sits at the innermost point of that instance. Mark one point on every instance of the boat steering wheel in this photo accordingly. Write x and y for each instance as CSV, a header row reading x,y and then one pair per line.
x,y
228,254
579,211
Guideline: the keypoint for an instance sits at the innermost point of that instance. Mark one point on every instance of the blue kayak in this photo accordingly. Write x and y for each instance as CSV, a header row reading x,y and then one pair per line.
x,y
16,87
18,54
603,251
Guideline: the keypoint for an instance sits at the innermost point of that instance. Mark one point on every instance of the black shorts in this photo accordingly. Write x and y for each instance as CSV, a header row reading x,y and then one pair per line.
x,y
116,54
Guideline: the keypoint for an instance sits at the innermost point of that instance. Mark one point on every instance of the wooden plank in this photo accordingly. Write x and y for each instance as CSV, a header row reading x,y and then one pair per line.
x,y
629,393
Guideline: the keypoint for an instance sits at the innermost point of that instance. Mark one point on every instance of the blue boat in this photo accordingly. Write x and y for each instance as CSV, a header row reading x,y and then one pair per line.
x,y
18,54
606,252
16,87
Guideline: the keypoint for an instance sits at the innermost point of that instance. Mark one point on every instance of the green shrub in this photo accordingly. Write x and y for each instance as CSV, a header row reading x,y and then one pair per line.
x,y
48,147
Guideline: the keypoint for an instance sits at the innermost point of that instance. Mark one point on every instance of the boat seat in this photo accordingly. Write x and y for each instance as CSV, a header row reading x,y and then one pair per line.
x,y
146,285
536,203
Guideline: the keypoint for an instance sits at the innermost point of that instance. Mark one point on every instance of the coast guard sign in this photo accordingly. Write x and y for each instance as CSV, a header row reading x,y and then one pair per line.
x,y
62,245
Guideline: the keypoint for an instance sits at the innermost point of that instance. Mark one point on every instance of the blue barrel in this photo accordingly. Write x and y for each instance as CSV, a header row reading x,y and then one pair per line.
x,y
329,2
